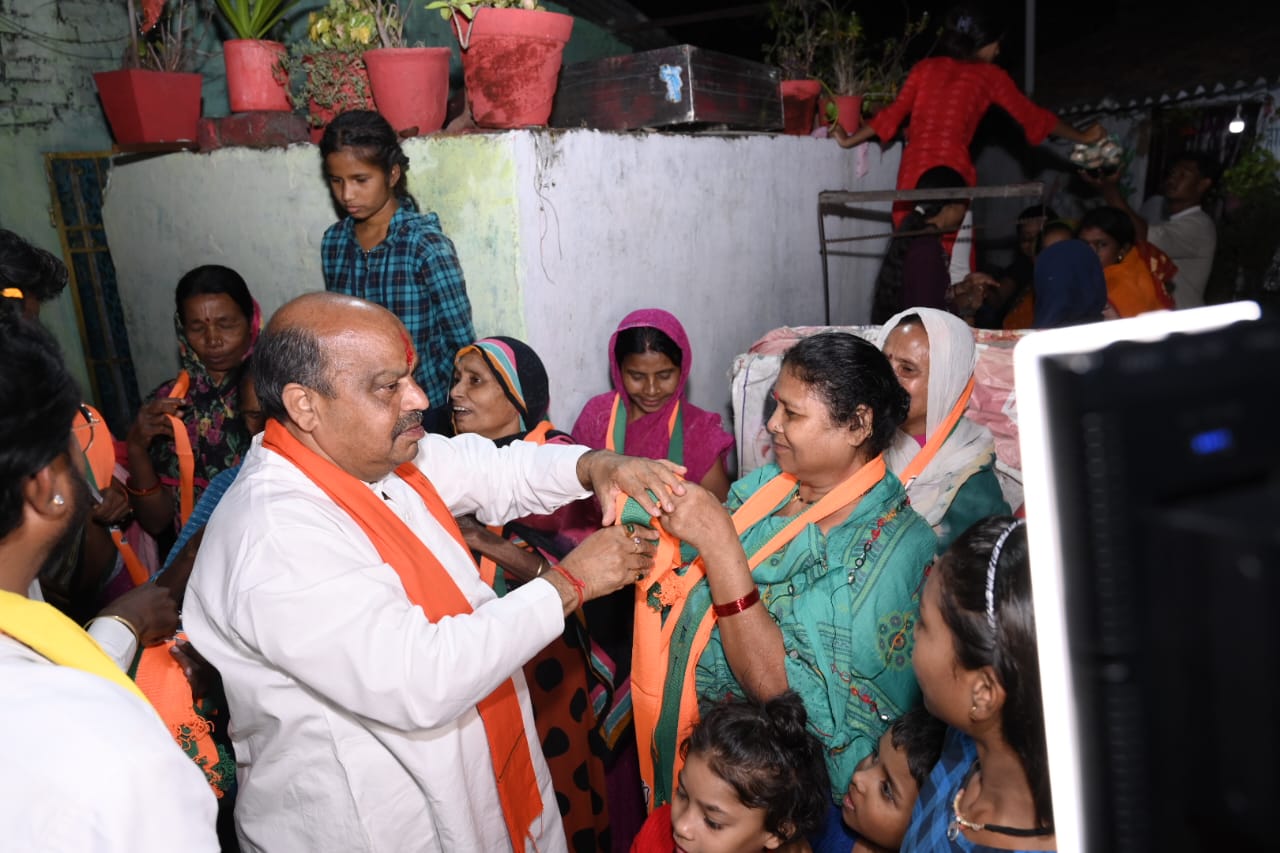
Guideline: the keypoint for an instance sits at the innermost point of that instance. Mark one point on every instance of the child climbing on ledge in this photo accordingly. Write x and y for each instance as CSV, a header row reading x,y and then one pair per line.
x,y
946,96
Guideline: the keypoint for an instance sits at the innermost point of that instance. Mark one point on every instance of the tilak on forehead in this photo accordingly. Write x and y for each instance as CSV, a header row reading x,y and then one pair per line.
x,y
408,348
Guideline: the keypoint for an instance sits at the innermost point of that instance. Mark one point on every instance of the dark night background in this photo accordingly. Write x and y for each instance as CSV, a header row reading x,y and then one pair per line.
x,y
1082,49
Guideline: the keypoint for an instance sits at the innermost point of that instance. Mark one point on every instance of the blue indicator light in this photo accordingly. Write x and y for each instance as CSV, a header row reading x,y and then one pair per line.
x,y
1212,441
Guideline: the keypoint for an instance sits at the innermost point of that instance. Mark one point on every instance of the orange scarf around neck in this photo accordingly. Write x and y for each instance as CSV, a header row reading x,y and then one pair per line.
x,y
429,585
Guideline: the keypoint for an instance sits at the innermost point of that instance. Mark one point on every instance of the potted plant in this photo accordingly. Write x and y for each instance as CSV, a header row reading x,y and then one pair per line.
x,y
255,65
153,99
330,64
883,76
410,84
856,73
511,55
846,68
797,36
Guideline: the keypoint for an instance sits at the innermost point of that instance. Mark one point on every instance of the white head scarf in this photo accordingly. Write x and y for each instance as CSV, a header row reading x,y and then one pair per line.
x,y
970,448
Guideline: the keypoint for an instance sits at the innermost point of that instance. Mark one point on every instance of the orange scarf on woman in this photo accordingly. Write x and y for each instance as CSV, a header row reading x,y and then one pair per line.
x,y
429,585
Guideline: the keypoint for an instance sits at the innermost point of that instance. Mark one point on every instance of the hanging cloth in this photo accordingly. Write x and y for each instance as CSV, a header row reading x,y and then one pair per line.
x,y
182,449
430,586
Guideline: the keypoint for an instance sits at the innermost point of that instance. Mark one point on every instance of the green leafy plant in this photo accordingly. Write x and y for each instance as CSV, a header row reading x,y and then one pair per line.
x,y
798,35
854,65
158,31
253,19
326,69
1247,237
459,10
467,8
883,76
324,82
357,24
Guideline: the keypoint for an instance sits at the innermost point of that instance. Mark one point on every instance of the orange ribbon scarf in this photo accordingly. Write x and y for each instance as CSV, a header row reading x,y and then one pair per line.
x,y
652,637
934,442
430,586
182,449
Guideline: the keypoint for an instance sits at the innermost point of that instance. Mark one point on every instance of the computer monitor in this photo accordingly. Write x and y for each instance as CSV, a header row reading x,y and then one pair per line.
x,y
1151,463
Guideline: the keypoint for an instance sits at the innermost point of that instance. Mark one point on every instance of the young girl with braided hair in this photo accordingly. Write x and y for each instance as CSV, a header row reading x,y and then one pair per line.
x,y
386,251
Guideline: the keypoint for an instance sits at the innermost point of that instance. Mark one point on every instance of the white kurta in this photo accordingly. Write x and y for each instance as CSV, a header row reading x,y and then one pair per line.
x,y
88,766
1189,238
353,717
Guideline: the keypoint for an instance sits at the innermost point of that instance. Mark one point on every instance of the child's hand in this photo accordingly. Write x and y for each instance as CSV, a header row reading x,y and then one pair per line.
x,y
1094,133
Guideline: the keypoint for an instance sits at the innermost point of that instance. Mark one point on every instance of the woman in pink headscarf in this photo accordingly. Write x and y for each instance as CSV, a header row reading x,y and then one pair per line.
x,y
647,414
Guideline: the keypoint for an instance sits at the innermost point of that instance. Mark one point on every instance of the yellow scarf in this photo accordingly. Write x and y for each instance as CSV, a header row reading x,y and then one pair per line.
x,y
48,633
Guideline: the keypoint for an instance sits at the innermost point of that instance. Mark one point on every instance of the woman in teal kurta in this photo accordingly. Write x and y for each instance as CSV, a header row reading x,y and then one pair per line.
x,y
838,601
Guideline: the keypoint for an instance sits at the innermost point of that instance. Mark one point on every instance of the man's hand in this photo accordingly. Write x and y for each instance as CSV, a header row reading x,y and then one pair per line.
x,y
608,474
150,609
610,559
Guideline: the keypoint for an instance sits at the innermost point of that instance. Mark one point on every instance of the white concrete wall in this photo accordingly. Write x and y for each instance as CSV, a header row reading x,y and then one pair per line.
x,y
720,230
560,234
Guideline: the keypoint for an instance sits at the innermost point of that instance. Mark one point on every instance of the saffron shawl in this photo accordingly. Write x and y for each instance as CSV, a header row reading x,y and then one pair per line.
x,y
218,435
970,448
705,439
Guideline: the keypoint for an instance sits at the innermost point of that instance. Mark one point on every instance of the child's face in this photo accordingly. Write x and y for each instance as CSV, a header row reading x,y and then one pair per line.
x,y
947,692
708,817
881,795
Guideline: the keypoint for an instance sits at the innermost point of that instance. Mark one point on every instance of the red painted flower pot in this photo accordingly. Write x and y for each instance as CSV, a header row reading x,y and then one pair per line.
x,y
256,79
511,64
150,106
848,111
410,86
799,101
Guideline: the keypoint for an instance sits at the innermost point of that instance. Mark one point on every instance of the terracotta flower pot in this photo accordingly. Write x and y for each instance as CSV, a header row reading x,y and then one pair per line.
x,y
410,86
347,96
799,102
511,64
150,106
256,79
848,111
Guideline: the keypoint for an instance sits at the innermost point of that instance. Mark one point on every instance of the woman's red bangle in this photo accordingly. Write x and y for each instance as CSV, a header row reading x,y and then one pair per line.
x,y
735,607
141,493
579,586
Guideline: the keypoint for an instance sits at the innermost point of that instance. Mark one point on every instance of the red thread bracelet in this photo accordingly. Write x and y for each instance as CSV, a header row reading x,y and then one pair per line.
x,y
579,586
735,607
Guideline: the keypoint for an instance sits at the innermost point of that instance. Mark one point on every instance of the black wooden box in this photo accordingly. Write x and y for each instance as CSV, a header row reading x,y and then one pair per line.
x,y
669,87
